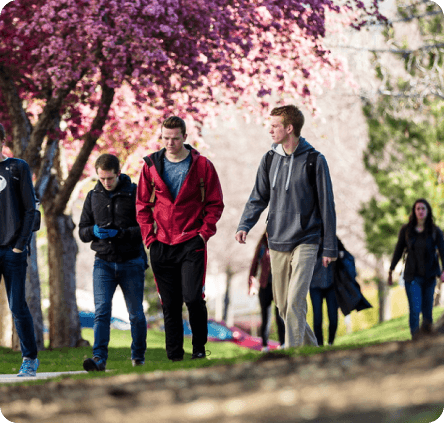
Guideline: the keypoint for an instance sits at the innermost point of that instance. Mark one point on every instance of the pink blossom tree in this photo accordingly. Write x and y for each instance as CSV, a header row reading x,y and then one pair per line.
x,y
62,62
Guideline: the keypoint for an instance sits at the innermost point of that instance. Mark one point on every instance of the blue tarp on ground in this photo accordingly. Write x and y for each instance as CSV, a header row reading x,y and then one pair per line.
x,y
87,321
215,330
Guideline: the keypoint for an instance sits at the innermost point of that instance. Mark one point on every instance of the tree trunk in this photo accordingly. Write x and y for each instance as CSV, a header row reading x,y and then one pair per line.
x,y
33,296
5,318
229,276
383,293
64,323
438,293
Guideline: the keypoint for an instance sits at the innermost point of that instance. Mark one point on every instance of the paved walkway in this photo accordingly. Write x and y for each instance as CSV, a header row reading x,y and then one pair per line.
x,y
12,378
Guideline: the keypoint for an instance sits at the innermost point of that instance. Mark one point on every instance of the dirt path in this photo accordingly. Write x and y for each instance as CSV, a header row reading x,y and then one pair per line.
x,y
386,383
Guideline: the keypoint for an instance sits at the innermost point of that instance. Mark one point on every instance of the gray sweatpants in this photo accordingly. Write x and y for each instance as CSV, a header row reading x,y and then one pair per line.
x,y
292,272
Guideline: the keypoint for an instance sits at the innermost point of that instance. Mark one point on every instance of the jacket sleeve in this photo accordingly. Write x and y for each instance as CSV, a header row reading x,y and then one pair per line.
x,y
214,204
258,201
86,224
28,202
326,207
399,249
144,212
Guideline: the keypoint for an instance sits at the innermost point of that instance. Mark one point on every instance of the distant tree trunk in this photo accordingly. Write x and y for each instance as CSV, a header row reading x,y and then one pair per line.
x,y
5,317
229,275
383,292
438,293
33,296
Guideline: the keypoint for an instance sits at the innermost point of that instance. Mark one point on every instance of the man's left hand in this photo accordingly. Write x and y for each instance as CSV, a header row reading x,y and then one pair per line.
x,y
327,260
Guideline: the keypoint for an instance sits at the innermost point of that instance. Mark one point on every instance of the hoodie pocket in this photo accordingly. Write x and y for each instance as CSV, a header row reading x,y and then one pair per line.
x,y
284,227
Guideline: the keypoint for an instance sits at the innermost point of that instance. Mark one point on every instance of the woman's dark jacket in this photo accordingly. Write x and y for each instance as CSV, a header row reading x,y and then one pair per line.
x,y
116,210
406,240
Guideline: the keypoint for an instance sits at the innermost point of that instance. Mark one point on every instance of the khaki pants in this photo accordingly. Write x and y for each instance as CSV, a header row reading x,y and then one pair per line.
x,y
292,272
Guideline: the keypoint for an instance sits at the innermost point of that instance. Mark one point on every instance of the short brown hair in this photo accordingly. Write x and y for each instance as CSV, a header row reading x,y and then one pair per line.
x,y
2,133
175,122
108,162
292,116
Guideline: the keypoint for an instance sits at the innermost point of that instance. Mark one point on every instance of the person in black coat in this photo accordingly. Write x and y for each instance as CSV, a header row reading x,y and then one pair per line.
x,y
420,238
109,222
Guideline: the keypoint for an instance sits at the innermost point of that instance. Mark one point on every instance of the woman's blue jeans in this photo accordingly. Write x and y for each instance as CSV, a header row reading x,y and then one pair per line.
x,y
420,293
130,275
13,268
317,296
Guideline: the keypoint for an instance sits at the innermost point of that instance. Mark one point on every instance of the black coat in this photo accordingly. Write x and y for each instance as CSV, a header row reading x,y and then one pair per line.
x,y
433,242
347,290
112,212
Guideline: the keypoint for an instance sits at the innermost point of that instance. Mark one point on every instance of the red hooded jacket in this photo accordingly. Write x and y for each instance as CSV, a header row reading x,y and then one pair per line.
x,y
193,212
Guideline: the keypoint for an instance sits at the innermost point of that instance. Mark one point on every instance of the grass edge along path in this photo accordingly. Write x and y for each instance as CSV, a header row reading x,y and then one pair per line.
x,y
71,359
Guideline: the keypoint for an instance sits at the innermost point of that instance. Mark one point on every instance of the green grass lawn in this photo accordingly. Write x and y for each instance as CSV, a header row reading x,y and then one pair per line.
x,y
119,360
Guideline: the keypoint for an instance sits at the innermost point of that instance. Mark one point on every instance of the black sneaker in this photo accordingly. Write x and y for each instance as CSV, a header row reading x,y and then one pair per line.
x,y
197,355
95,364
176,359
137,362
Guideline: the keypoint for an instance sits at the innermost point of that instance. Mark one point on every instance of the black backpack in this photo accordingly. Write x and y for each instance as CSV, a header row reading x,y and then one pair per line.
x,y
15,176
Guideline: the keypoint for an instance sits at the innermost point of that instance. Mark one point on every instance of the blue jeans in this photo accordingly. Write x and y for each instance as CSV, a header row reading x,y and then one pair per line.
x,y
317,296
13,268
130,276
420,294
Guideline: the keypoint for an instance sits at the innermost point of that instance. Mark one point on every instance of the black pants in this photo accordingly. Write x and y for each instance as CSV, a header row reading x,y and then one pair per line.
x,y
317,296
179,271
265,299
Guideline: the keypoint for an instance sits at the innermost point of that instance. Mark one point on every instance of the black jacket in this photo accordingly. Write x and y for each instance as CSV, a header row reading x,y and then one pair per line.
x,y
17,203
433,242
112,212
347,290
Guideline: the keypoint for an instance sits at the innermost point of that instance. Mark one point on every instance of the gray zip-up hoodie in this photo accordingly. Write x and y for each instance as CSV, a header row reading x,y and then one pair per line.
x,y
294,215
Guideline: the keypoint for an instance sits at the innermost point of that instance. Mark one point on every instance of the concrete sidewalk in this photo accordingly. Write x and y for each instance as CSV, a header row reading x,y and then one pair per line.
x,y
12,378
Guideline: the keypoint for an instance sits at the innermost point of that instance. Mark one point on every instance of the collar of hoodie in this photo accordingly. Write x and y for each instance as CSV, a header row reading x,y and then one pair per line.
x,y
302,147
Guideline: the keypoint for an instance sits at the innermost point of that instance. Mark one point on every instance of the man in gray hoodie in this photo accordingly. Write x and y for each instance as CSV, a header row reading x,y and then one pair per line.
x,y
301,216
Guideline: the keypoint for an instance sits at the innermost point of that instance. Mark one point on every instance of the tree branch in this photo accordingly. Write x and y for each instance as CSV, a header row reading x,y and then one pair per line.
x,y
90,140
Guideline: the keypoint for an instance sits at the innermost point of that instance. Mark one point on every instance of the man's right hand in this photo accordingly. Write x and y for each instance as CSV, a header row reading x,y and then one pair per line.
x,y
241,237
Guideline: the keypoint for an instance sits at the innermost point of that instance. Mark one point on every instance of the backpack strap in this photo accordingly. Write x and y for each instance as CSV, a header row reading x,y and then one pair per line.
x,y
150,163
201,162
311,168
268,161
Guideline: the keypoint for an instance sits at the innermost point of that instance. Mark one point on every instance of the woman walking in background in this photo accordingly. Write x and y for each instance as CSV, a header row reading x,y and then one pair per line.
x,y
420,238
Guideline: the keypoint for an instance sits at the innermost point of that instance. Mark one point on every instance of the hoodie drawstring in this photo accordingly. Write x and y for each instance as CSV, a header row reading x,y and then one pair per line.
x,y
276,172
289,173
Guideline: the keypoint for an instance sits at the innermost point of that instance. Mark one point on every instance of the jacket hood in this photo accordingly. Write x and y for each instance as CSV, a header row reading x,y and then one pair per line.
x,y
123,185
303,147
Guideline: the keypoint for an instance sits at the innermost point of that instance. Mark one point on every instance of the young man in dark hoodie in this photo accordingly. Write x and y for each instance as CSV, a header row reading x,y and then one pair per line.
x,y
17,208
299,214
109,220
179,201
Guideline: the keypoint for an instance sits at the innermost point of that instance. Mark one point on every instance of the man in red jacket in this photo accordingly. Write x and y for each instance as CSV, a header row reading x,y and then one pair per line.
x,y
179,201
